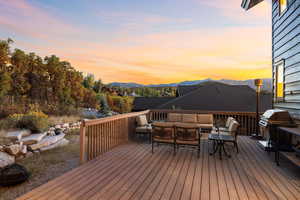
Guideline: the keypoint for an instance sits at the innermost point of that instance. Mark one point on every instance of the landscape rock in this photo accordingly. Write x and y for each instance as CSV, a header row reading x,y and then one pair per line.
x,y
13,149
60,143
47,141
1,148
52,129
6,159
66,125
23,150
51,133
57,126
33,138
17,135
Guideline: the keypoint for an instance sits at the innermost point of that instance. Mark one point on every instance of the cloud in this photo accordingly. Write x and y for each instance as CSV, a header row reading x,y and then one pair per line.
x,y
32,21
137,53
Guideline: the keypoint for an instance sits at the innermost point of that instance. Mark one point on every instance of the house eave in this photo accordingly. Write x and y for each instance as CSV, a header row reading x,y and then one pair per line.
x,y
247,4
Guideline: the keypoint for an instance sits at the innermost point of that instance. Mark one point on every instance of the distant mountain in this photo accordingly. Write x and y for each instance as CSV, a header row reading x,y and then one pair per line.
x,y
126,85
267,83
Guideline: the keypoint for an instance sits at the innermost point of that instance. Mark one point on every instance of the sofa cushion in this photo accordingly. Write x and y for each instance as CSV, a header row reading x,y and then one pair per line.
x,y
143,129
187,125
205,119
142,120
174,117
208,126
164,124
189,118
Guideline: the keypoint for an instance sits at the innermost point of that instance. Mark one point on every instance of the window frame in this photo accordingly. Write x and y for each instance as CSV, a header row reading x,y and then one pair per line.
x,y
276,66
281,12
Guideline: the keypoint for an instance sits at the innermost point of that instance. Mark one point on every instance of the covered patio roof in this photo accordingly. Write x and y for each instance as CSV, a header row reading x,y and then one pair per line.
x,y
247,4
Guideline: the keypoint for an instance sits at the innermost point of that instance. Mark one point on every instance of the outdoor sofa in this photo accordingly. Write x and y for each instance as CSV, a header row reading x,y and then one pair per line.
x,y
181,130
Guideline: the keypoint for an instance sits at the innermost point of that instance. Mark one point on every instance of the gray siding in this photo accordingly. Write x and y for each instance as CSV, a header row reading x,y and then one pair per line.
x,y
286,45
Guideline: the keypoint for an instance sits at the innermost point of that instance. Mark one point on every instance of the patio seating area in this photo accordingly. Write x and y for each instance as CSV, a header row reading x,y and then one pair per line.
x,y
130,171
116,164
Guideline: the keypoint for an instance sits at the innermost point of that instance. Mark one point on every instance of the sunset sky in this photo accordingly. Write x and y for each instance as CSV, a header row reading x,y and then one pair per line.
x,y
145,41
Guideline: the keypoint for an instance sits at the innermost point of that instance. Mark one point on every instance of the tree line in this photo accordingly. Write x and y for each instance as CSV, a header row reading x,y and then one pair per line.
x,y
26,78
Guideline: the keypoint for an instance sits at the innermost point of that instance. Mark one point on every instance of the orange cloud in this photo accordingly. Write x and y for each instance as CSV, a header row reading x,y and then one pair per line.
x,y
232,52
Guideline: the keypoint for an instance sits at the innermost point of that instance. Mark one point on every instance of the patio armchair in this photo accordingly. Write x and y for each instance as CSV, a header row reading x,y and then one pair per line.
x,y
224,130
163,133
188,135
229,136
143,126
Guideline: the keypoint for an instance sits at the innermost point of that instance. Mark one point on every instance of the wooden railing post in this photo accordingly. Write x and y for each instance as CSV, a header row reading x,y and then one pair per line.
x,y
82,142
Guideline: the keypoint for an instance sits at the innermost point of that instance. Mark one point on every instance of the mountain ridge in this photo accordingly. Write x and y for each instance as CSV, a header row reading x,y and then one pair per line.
x,y
250,82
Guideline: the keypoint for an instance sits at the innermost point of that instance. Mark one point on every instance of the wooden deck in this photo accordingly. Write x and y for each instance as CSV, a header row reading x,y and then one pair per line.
x,y
132,172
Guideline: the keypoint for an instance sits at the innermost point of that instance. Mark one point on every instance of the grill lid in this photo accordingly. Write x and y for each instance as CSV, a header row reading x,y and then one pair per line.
x,y
269,114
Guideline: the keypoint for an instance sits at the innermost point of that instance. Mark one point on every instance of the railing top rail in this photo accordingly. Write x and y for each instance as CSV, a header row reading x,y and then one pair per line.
x,y
112,118
204,111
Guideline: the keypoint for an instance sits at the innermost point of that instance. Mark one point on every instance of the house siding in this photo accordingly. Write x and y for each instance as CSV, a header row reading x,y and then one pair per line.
x,y
286,46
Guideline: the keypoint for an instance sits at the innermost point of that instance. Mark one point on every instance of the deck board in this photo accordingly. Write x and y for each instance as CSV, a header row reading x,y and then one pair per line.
x,y
130,171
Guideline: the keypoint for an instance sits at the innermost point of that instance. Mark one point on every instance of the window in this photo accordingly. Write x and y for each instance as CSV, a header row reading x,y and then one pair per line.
x,y
283,4
279,81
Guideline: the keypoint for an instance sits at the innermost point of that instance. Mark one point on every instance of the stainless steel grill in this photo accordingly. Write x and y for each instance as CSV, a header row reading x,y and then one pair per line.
x,y
268,123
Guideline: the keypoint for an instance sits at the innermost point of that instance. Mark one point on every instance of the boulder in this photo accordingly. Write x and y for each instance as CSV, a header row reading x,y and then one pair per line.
x,y
13,149
60,143
1,148
65,125
46,141
52,129
17,135
6,159
33,138
51,133
23,150
57,126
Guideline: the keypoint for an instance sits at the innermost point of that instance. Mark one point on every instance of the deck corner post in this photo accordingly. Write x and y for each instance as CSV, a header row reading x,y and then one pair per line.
x,y
82,142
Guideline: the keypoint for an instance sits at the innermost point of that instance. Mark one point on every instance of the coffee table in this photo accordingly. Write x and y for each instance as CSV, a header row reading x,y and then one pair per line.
x,y
219,144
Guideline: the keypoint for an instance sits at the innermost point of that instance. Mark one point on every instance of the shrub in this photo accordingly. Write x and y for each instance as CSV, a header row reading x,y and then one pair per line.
x,y
34,121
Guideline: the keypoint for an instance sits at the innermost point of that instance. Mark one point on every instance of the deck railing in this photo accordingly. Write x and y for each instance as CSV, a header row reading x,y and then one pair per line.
x,y
101,135
247,120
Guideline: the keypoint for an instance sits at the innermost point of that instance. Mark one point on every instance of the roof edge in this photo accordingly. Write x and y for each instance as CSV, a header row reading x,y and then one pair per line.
x,y
247,4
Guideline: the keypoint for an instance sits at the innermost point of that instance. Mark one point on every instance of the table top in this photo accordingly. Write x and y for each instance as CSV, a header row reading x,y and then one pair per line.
x,y
220,137
294,131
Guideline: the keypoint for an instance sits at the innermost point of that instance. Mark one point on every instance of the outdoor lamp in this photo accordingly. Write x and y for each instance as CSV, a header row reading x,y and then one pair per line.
x,y
258,83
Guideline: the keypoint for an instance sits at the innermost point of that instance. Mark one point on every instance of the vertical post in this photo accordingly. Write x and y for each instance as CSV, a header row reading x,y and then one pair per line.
x,y
82,142
258,84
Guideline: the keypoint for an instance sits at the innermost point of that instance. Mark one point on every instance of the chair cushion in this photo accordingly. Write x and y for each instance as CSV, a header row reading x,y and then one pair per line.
x,y
190,142
205,119
189,118
142,120
228,122
233,126
157,139
174,117
143,129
